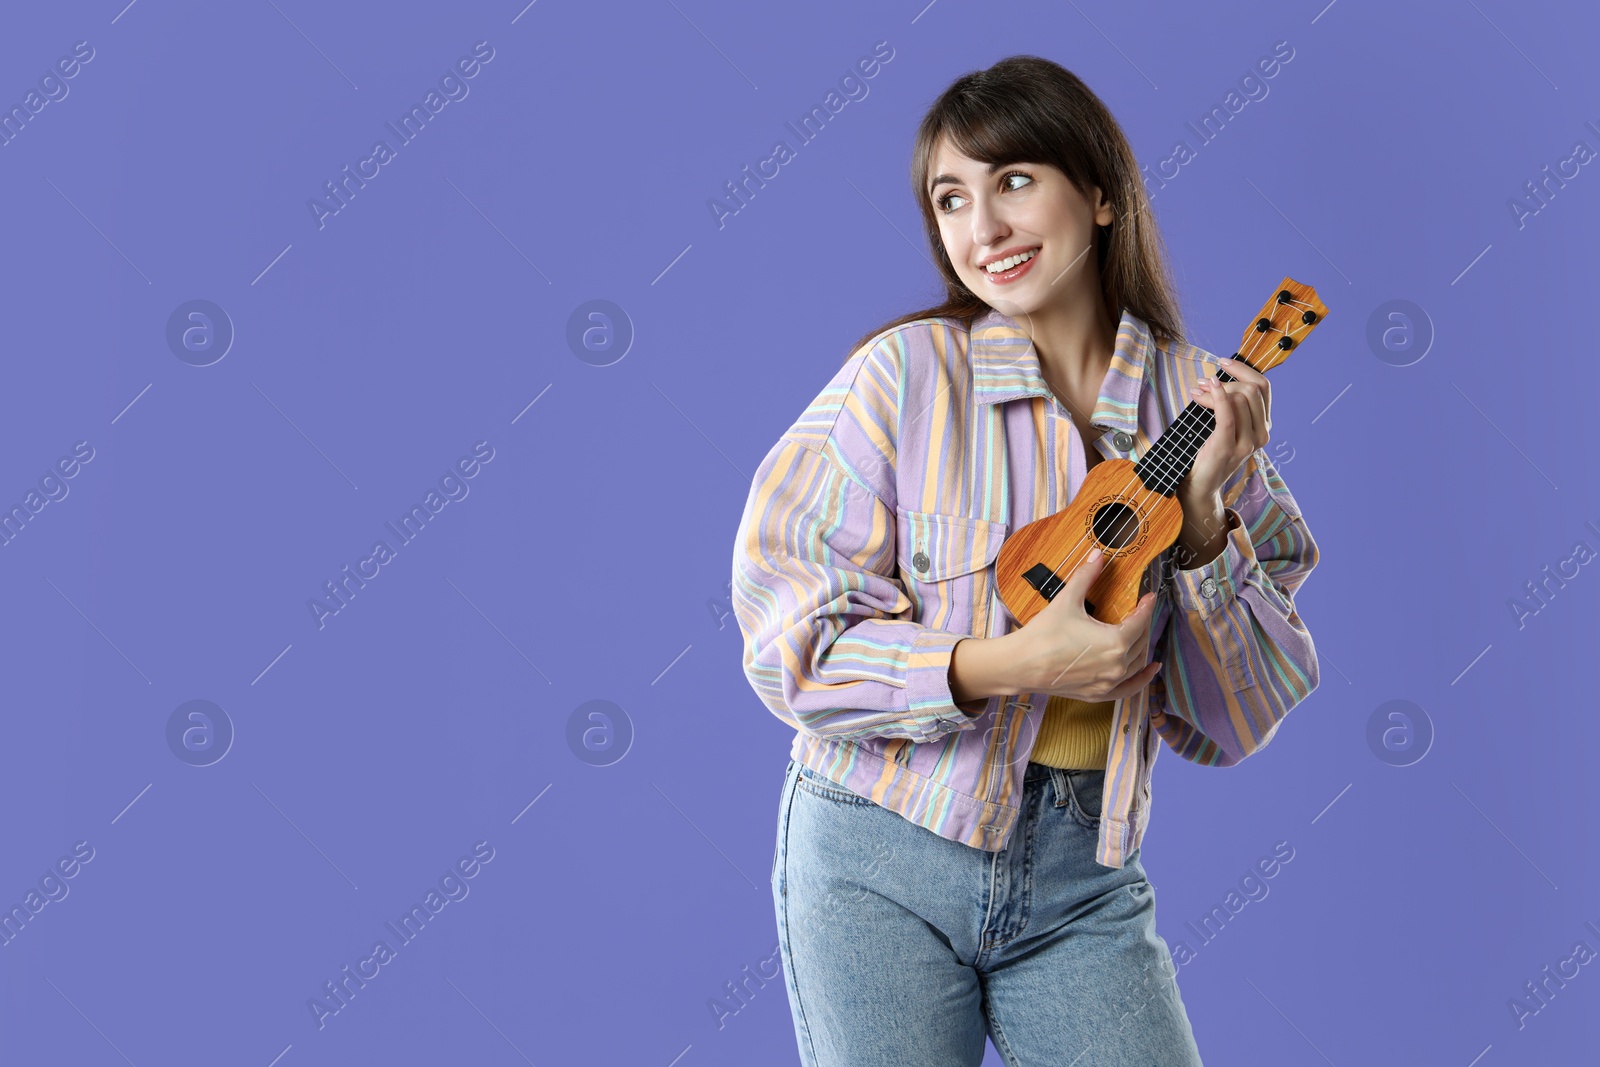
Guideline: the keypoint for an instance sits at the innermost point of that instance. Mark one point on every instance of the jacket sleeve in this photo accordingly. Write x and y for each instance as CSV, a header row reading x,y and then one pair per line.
x,y
1237,655
829,646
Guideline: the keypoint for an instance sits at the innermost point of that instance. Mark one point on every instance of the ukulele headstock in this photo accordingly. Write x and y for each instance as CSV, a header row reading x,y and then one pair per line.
x,y
1285,321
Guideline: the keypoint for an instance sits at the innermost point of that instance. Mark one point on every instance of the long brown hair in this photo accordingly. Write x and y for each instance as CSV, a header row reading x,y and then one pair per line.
x,y
1028,109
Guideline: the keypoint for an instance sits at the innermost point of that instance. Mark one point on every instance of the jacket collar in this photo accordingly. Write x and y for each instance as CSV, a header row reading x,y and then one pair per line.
x,y
1005,367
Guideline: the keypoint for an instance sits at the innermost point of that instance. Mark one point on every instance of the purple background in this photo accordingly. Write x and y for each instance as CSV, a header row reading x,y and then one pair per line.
x,y
590,560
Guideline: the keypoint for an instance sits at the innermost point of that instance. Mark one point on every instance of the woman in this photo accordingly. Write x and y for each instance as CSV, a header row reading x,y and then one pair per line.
x,y
959,832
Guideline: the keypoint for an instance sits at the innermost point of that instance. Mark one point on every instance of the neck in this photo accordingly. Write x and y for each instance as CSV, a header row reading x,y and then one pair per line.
x,y
1074,339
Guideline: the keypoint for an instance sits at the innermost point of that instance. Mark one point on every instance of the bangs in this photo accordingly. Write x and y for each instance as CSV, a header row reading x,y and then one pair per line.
x,y
993,128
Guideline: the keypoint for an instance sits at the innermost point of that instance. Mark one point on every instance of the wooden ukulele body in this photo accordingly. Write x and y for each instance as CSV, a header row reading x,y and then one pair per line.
x,y
1113,511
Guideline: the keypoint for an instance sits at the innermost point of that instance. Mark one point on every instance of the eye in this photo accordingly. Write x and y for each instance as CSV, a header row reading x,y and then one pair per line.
x,y
1016,174
943,201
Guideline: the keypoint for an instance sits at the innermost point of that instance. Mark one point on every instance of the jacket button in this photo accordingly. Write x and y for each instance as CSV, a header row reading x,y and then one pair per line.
x,y
920,561
1208,588
1122,441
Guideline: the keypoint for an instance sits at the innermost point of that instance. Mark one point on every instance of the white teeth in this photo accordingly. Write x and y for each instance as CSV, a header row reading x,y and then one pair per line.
x,y
1006,264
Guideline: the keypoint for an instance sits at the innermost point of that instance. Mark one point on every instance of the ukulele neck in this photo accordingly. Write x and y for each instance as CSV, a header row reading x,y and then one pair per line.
x,y
1284,322
1171,457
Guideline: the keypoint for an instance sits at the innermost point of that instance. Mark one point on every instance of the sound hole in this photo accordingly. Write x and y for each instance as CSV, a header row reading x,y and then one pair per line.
x,y
1116,525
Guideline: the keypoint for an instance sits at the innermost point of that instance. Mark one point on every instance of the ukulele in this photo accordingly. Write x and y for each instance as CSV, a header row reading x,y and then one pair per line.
x,y
1129,509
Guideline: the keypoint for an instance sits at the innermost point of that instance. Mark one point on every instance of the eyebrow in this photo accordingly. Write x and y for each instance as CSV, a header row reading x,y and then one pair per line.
x,y
953,180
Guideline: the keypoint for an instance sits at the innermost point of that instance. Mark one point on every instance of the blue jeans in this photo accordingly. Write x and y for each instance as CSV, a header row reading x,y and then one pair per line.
x,y
902,947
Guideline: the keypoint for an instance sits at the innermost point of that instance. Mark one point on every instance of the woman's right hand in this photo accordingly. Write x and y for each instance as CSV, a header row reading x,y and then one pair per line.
x,y
1065,652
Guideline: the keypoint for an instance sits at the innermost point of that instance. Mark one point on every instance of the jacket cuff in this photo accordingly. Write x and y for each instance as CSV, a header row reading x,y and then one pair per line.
x,y
928,693
1212,586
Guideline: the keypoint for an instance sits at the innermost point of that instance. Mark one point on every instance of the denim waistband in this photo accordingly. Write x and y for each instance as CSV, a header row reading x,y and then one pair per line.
x,y
1039,772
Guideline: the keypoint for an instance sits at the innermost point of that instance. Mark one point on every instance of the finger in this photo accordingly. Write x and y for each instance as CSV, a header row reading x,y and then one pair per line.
x,y
1136,659
1260,418
1137,620
1220,401
1132,685
1076,589
1255,382
1204,391
1241,370
1246,375
1243,419
1137,653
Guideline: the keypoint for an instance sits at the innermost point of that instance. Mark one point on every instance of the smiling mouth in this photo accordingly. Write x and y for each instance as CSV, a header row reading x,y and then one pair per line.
x,y
1011,268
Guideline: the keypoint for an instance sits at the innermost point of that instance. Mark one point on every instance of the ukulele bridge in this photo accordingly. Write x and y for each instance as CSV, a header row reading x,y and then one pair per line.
x,y
1047,583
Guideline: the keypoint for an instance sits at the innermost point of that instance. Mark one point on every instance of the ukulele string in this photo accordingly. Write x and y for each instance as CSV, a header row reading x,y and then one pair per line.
x,y
1183,431
1186,433
1159,464
1115,533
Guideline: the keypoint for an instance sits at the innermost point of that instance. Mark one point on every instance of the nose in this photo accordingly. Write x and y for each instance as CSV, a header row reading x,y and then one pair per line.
x,y
988,228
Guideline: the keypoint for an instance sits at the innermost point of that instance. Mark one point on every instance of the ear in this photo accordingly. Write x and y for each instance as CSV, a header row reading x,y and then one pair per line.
x,y
1103,213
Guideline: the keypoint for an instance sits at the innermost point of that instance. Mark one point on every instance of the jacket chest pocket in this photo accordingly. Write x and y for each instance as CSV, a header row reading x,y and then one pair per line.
x,y
945,563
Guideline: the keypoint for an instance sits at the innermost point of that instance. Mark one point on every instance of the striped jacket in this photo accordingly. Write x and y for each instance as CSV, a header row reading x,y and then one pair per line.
x,y
930,444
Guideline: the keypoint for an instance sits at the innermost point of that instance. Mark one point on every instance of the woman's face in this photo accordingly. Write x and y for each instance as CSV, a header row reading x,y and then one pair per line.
x,y
988,215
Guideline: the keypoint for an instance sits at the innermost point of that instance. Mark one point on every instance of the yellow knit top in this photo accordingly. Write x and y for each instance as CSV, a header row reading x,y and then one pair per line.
x,y
1074,734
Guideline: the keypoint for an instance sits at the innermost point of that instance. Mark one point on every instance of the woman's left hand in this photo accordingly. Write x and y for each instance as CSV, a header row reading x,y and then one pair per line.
x,y
1243,412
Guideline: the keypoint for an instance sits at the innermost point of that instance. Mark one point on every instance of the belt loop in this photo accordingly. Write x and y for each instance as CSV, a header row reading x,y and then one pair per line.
x,y
1058,782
